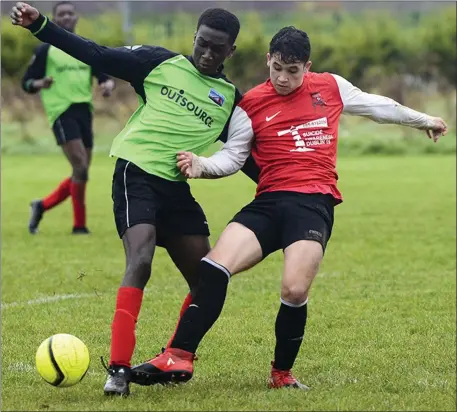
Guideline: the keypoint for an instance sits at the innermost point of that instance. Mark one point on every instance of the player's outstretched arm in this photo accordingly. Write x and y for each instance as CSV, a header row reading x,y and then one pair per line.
x,y
227,161
120,62
383,109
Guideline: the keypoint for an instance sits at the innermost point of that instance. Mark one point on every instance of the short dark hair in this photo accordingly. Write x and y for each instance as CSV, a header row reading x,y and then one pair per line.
x,y
220,19
61,3
291,44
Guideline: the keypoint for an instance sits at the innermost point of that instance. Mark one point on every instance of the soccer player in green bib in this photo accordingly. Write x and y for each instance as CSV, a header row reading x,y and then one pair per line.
x,y
185,104
65,86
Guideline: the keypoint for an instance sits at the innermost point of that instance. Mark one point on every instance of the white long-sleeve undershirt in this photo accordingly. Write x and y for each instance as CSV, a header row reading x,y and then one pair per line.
x,y
235,151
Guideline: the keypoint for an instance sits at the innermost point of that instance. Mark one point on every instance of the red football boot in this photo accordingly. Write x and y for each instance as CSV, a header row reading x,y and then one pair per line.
x,y
171,366
284,379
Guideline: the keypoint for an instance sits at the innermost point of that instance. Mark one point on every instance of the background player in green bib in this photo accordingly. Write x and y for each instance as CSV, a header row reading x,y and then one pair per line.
x,y
185,104
65,86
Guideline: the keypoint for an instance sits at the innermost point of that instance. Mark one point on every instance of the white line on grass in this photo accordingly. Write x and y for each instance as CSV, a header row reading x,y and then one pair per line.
x,y
53,298
22,367
49,299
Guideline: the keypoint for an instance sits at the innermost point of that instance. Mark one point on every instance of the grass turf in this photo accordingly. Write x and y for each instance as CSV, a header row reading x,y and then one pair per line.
x,y
382,314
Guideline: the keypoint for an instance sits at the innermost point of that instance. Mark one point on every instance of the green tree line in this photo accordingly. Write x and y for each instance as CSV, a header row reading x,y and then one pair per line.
x,y
361,47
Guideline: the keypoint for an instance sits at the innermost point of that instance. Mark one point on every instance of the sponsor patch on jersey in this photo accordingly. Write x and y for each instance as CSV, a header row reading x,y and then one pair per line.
x,y
216,97
317,100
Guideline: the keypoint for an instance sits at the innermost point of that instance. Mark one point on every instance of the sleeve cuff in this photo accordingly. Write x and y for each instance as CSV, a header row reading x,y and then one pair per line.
x,y
102,79
28,85
38,24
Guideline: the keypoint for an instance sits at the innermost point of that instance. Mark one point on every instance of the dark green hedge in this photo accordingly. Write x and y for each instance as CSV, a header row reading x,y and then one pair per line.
x,y
350,45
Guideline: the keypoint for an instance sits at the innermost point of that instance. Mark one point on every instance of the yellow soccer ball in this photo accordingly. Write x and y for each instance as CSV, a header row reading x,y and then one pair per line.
x,y
62,360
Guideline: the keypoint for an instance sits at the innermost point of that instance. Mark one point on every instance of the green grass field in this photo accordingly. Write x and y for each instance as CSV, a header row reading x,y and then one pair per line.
x,y
381,331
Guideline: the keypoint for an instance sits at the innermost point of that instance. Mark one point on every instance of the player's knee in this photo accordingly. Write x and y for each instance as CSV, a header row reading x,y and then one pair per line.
x,y
139,266
294,293
80,169
82,175
193,282
194,289
191,274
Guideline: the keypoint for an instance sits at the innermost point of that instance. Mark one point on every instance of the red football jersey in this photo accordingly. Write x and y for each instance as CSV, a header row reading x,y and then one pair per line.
x,y
296,136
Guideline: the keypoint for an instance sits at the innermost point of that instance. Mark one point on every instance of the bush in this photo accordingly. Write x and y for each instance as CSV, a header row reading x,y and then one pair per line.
x,y
440,44
347,44
392,55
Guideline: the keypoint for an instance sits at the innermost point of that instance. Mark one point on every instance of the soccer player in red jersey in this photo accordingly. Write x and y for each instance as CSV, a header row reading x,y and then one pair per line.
x,y
294,117
290,123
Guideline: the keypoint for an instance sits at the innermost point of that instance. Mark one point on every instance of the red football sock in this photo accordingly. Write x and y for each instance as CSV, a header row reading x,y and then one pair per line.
x,y
78,195
58,195
123,340
185,305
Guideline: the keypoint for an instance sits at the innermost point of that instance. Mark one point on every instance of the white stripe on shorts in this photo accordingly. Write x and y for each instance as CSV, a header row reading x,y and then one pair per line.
x,y
126,197
62,132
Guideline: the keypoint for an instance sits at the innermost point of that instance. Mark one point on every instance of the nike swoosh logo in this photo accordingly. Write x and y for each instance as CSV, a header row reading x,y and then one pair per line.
x,y
272,117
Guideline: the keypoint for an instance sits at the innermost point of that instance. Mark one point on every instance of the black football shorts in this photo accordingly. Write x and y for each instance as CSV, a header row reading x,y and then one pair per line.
x,y
140,197
75,123
279,219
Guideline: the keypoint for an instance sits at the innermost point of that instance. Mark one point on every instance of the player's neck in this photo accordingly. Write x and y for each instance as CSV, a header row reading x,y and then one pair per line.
x,y
218,72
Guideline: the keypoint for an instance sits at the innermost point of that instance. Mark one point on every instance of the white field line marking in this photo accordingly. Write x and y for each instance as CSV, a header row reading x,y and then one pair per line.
x,y
22,367
19,367
55,298
49,299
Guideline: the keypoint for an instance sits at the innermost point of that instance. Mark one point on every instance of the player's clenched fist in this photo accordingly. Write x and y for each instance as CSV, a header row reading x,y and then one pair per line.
x,y
23,14
188,164
436,128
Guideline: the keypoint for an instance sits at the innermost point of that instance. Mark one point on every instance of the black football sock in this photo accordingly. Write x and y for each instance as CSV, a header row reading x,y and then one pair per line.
x,y
289,329
205,308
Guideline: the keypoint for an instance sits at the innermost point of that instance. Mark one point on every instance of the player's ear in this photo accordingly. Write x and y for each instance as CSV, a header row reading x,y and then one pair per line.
x,y
232,50
308,65
268,59
195,37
